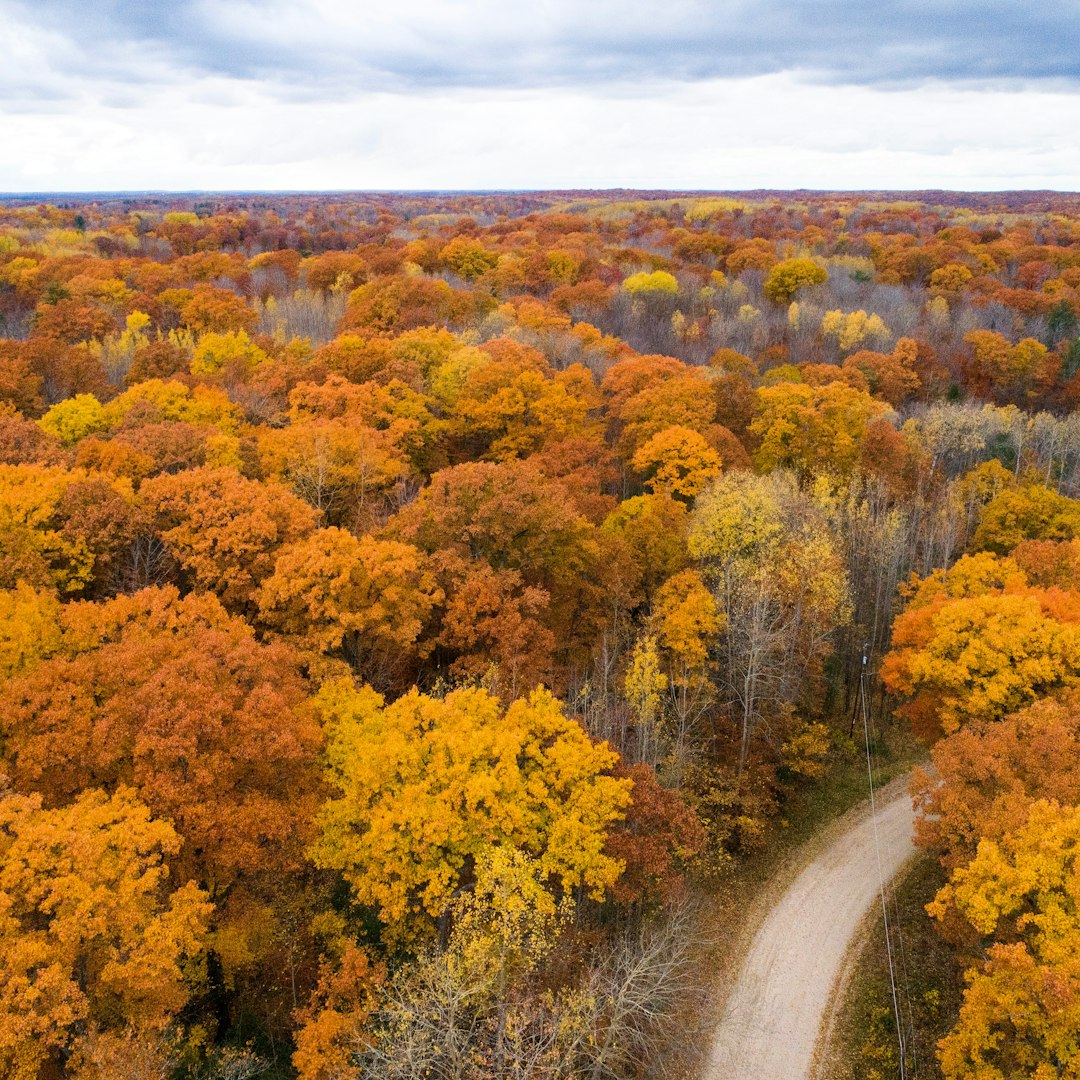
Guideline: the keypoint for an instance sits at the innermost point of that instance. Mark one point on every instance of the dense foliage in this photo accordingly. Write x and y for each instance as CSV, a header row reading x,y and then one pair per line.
x,y
403,597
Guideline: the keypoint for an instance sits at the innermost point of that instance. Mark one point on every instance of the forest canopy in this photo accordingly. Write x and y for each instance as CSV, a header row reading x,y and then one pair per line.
x,y
407,601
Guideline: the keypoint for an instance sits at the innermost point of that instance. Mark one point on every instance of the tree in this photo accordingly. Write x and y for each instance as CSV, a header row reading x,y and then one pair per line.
x,y
780,589
657,841
950,280
970,647
629,377
232,351
1030,512
512,412
334,1025
679,401
74,418
158,400
891,376
425,786
439,1020
44,541
657,282
225,530
22,442
509,516
343,469
176,699
988,774
1022,1004
1008,372
677,461
652,530
495,627
1049,563
400,414
587,469
468,258
95,945
853,328
365,600
811,428
786,278
686,624
395,303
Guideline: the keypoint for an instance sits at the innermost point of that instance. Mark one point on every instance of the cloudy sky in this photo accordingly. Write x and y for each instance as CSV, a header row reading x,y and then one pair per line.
x,y
482,94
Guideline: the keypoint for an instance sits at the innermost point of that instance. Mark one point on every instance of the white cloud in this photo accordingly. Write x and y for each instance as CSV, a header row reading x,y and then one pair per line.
x,y
775,131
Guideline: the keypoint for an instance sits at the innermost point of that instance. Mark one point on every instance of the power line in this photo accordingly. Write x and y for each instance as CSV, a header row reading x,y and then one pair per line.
x,y
881,873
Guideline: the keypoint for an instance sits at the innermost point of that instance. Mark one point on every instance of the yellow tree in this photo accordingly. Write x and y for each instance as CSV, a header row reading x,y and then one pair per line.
x,y
224,351
687,624
781,588
677,461
94,945
74,418
1031,512
657,283
978,643
786,278
810,428
644,687
29,627
425,786
852,328
652,530
1021,1009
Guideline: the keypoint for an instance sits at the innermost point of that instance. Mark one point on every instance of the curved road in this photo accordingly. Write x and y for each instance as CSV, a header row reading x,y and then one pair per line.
x,y
774,1012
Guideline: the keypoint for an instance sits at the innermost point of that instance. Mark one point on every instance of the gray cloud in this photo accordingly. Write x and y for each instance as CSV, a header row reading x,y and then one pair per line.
x,y
317,49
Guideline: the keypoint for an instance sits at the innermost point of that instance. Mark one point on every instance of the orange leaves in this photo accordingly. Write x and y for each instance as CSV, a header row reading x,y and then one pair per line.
x,y
677,461
659,837
223,529
684,401
332,1026
1009,372
341,469
990,772
363,599
46,537
979,642
509,409
392,304
207,724
94,942
978,658
891,376
542,559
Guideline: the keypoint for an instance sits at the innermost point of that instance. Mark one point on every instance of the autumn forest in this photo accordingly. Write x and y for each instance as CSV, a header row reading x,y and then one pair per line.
x,y
417,609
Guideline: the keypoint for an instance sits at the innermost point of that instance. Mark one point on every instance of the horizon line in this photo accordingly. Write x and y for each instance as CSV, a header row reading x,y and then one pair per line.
x,y
130,192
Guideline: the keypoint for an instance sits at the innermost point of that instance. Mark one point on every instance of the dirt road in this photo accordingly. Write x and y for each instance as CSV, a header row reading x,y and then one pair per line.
x,y
773,1014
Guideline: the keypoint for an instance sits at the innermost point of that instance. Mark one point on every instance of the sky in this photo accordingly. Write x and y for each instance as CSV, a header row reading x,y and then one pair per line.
x,y
109,95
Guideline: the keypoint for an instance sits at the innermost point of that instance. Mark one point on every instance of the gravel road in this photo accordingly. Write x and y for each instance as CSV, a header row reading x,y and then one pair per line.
x,y
774,1012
